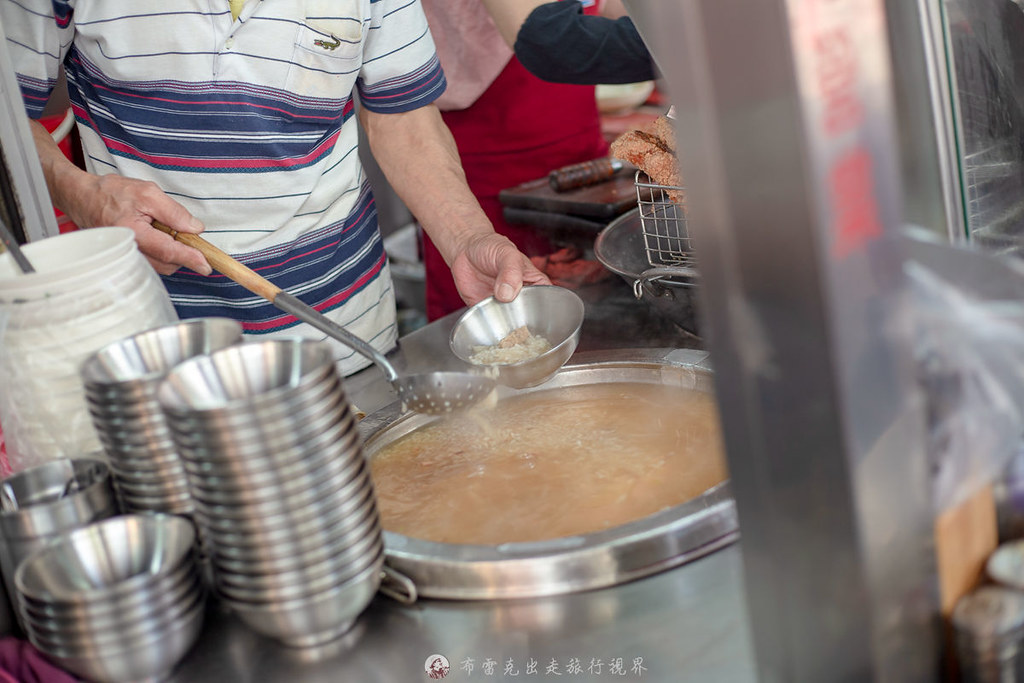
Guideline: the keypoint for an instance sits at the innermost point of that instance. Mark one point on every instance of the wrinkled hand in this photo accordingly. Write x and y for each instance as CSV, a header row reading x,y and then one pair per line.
x,y
491,264
116,200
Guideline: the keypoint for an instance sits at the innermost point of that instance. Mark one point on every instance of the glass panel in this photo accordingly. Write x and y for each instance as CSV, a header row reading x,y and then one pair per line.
x,y
985,40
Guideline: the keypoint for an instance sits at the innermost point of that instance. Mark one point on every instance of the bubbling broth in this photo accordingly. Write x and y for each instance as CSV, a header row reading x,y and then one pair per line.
x,y
551,463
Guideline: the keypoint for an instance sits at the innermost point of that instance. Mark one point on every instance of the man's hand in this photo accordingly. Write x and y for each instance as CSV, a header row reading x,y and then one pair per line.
x,y
418,155
101,200
491,264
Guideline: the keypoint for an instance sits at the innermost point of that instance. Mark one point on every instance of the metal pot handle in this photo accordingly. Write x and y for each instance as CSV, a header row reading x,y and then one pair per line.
x,y
647,279
398,586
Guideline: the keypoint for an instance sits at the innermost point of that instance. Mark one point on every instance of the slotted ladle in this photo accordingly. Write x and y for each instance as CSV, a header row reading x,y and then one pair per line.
x,y
432,393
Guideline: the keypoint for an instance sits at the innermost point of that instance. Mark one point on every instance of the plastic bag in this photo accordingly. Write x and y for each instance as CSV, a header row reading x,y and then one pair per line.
x,y
968,314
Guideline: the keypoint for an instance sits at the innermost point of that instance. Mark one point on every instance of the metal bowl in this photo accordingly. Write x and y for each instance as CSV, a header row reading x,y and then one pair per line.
x,y
313,401
245,377
243,530
286,432
317,619
122,368
322,497
113,557
294,584
671,292
232,476
298,552
554,313
111,633
102,609
279,557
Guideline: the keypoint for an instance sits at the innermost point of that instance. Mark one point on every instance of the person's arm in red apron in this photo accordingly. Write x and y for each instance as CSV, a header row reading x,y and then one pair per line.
x,y
562,42
418,155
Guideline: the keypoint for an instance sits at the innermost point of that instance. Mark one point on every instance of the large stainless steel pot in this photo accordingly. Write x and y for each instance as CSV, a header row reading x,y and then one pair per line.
x,y
658,542
672,292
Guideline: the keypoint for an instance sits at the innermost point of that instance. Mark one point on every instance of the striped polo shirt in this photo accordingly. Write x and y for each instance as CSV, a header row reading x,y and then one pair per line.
x,y
250,124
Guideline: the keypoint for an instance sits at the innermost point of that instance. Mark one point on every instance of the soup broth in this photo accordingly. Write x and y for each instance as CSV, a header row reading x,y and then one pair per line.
x,y
549,464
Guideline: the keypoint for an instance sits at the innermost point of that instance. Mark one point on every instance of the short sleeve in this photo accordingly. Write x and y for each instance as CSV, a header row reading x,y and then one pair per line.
x,y
400,69
39,35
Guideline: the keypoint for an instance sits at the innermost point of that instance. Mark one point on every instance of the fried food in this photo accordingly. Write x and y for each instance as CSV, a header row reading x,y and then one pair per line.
x,y
652,149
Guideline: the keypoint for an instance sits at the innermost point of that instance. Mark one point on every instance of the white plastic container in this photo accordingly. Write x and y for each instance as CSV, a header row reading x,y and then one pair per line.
x,y
92,287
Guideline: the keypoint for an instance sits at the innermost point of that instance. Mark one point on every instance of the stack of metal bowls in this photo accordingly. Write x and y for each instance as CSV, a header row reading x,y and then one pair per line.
x,y
121,380
283,493
119,600
39,504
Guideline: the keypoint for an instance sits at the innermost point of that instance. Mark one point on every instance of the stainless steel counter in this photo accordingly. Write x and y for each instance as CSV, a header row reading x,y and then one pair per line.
x,y
684,625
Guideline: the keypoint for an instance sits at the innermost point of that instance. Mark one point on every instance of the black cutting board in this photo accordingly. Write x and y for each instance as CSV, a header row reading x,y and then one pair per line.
x,y
604,200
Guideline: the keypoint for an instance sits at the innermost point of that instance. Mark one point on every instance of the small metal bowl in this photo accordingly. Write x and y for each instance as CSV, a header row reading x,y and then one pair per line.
x,y
134,366
554,313
245,378
107,559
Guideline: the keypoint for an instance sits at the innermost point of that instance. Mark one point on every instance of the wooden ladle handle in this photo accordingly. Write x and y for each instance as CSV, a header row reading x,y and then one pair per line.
x,y
224,263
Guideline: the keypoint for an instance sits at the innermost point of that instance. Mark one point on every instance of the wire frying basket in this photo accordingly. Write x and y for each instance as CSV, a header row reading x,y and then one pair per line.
x,y
663,221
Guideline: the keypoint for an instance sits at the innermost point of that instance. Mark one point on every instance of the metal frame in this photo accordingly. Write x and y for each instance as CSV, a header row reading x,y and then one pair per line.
x,y
785,129
21,162
930,141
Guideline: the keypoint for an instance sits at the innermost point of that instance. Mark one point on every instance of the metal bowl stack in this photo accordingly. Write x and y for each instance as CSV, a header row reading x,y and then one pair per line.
x,y
119,600
39,504
283,494
121,381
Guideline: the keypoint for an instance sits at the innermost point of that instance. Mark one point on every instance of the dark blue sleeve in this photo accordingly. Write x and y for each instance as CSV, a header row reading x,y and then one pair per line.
x,y
559,43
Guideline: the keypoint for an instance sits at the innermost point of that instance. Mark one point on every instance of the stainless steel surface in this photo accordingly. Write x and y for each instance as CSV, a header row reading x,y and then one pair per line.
x,y
671,291
554,313
515,570
784,117
667,239
687,625
21,168
432,393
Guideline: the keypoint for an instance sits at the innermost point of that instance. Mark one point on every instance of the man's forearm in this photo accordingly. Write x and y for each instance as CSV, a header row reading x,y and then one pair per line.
x,y
418,155
509,15
61,175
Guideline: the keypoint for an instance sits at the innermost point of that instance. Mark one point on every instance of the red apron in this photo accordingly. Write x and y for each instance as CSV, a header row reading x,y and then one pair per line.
x,y
520,129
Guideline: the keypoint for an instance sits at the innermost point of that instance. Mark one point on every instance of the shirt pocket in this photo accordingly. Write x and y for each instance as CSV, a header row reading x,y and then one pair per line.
x,y
328,48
